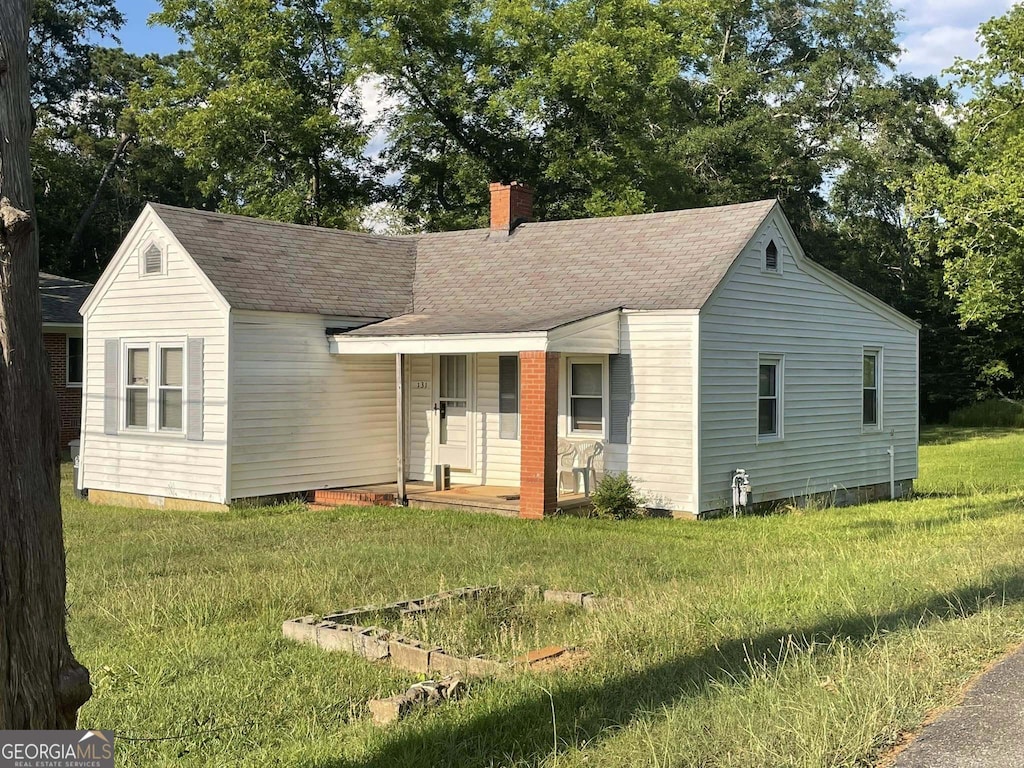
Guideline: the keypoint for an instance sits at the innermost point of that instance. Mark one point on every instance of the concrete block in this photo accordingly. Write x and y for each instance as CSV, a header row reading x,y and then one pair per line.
x,y
592,603
480,667
372,643
531,592
569,598
390,710
332,636
443,664
301,630
409,654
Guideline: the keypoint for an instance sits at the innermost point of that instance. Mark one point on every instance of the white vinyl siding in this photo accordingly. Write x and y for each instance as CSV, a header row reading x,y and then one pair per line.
x,y
150,310
822,332
302,418
660,451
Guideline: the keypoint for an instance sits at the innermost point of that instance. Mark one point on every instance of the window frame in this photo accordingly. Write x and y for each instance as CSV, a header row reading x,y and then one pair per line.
x,y
876,352
160,387
602,433
153,388
779,361
68,382
128,348
142,259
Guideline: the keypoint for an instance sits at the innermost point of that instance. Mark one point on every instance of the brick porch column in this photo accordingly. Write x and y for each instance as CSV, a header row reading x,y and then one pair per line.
x,y
538,434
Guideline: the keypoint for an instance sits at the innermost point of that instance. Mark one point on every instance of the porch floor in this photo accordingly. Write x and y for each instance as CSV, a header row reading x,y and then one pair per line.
x,y
495,499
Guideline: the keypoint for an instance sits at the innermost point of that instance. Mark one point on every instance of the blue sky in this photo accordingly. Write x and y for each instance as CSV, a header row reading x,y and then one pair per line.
x,y
933,32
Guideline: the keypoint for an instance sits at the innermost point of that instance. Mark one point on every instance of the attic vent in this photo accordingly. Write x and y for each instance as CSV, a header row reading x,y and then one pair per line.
x,y
153,259
771,257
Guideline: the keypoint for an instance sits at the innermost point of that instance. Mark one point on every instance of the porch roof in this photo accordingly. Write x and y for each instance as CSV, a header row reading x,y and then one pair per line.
x,y
594,330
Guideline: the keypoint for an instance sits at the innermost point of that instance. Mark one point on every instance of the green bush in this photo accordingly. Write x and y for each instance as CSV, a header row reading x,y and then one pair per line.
x,y
989,413
616,496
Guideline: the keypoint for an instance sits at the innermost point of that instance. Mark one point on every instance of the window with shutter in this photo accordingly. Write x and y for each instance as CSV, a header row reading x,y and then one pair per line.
x,y
508,397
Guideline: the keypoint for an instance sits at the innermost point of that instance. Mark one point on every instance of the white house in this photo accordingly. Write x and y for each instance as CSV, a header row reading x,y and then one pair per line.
x,y
229,358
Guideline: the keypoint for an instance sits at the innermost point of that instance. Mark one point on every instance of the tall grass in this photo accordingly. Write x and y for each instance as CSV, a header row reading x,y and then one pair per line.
x,y
989,413
811,640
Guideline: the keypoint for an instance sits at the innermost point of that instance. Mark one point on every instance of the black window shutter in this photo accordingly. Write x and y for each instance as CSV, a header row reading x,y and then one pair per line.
x,y
508,397
620,386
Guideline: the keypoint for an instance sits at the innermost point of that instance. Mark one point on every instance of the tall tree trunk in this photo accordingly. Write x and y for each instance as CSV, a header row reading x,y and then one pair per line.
x,y
119,151
41,684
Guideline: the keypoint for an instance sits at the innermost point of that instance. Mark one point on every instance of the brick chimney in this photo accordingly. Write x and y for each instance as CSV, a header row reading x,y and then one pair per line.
x,y
511,205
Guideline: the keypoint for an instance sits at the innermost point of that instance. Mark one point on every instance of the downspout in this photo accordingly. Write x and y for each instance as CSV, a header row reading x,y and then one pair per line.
x,y
892,465
400,409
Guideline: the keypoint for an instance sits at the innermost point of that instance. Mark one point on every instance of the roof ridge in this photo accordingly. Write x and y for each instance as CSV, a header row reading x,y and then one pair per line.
x,y
766,202
274,223
72,280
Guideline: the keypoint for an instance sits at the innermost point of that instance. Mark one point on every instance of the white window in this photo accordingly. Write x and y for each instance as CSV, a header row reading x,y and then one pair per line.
x,y
771,257
586,397
137,387
75,361
154,386
871,413
171,389
769,397
152,260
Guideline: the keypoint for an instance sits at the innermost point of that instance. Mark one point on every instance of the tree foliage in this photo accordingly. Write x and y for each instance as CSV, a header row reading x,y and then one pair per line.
x,y
617,106
261,106
969,212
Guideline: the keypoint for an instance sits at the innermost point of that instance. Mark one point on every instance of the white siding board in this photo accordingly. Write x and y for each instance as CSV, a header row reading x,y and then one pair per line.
x,y
821,331
659,454
302,418
173,305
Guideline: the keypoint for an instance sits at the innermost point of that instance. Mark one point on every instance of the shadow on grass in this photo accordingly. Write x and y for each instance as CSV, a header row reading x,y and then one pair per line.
x,y
960,513
949,435
590,711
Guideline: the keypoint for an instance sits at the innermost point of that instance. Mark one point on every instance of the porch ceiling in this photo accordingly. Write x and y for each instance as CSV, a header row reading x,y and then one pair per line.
x,y
594,331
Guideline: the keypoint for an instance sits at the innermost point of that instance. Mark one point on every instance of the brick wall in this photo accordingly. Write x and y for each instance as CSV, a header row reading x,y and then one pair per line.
x,y
538,431
69,399
509,203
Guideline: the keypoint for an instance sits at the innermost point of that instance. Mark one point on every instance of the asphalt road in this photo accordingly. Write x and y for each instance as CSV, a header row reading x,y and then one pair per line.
x,y
985,731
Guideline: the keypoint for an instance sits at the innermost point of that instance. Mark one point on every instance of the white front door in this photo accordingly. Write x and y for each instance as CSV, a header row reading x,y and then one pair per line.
x,y
453,392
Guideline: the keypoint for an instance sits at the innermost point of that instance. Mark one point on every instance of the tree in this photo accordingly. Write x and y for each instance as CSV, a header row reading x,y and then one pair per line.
x,y
617,106
261,105
41,684
969,214
59,49
94,174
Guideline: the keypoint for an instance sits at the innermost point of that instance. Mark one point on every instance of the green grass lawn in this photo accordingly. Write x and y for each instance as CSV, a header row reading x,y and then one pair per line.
x,y
807,639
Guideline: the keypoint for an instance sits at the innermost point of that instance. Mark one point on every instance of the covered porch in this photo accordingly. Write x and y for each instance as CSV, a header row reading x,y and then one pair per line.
x,y
493,499
484,400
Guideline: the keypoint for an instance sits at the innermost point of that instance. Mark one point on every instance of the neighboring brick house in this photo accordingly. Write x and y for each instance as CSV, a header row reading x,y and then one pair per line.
x,y
232,358
61,299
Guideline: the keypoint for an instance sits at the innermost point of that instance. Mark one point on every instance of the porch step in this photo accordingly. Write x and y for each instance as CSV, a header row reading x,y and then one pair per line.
x,y
349,497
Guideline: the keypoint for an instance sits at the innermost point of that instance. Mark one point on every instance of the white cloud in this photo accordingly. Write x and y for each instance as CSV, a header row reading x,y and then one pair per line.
x,y
936,32
933,50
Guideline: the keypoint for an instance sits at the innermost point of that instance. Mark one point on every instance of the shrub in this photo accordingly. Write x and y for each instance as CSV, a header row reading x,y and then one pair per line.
x,y
616,496
989,413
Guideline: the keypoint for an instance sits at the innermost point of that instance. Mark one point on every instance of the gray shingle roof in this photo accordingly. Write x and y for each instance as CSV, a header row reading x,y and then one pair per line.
x,y
269,265
521,321
670,260
61,298
540,276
